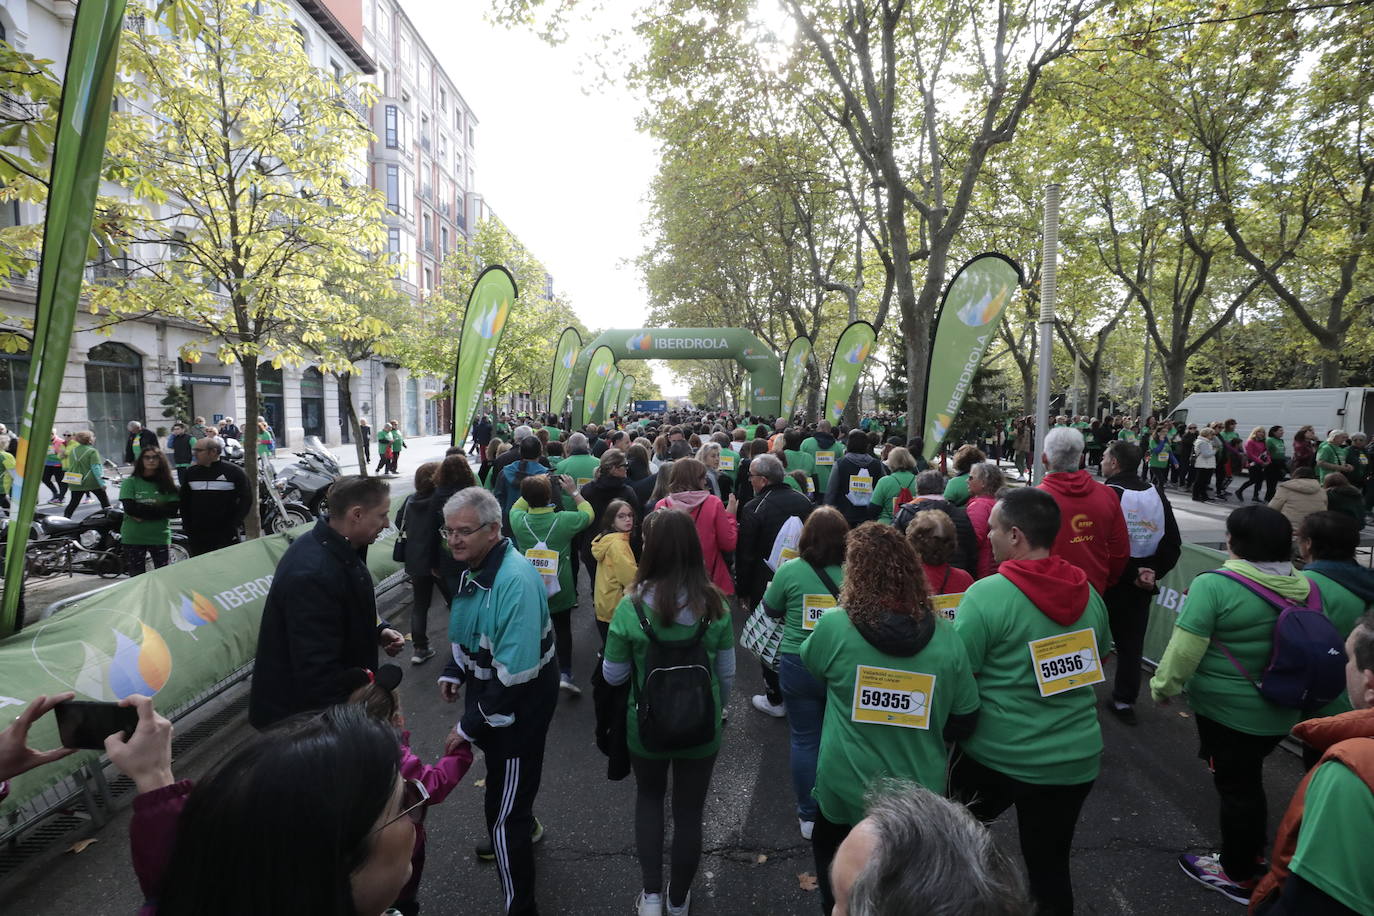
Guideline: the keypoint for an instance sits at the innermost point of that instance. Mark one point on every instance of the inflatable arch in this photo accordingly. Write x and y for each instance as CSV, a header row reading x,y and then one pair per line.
x,y
753,355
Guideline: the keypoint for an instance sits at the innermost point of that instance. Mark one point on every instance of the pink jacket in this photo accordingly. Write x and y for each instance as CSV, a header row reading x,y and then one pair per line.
x,y
716,528
979,510
1257,451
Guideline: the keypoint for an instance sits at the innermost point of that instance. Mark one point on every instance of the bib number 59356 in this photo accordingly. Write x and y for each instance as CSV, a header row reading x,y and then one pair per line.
x,y
1065,662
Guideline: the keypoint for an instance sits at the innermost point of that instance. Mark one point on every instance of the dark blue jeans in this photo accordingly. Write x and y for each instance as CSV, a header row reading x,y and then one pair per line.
x,y
805,699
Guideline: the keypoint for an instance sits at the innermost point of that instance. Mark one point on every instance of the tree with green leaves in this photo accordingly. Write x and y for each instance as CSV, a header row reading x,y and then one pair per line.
x,y
259,227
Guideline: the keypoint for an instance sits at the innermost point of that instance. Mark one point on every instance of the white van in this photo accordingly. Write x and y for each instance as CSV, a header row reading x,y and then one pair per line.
x,y
1324,409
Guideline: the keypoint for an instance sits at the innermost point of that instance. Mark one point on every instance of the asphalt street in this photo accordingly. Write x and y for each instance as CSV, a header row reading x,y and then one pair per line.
x,y
1153,800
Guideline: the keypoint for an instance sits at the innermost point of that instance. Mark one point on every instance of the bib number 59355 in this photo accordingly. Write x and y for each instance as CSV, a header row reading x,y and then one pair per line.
x,y
1065,662
890,696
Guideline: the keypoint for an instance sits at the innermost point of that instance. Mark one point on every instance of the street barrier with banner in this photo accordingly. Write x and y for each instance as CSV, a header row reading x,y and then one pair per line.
x,y
846,365
78,149
564,356
793,371
489,303
1173,591
969,315
170,634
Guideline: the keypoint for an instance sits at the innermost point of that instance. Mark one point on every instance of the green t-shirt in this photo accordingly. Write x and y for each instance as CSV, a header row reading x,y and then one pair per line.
x,y
887,489
1227,611
884,714
800,461
796,588
581,468
1276,448
555,434
1344,609
556,531
153,532
1338,808
1045,740
1332,455
626,642
1160,458
956,491
85,460
824,459
729,464
1127,435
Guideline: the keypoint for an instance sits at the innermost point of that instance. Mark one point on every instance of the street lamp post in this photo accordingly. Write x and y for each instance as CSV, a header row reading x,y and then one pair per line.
x,y
1049,261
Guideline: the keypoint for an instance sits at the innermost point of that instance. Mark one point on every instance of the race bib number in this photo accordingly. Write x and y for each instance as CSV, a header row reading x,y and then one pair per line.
x,y
727,462
946,605
788,553
545,562
72,478
860,486
583,481
887,696
1065,662
825,459
810,486
813,606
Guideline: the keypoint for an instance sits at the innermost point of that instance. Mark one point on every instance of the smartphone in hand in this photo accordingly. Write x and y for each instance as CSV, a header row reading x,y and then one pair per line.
x,y
86,724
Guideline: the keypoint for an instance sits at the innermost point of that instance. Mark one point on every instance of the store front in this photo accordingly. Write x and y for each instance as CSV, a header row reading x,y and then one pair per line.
x,y
14,379
312,402
114,396
272,400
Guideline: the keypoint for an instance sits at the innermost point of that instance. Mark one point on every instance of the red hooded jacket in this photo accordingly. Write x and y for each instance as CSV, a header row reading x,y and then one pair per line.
x,y
1092,530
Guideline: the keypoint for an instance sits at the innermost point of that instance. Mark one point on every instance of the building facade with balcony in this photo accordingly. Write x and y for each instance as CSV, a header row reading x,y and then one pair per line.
x,y
124,373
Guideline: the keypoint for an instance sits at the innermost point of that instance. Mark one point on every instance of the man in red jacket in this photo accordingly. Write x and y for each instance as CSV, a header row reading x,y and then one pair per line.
x,y
1092,528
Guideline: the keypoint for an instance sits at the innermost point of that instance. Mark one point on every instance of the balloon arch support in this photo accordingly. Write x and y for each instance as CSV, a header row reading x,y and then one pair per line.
x,y
753,355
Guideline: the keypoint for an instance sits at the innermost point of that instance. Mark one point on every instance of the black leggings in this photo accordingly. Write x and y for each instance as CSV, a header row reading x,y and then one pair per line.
x,y
1201,478
826,837
76,500
1256,475
562,639
52,479
691,780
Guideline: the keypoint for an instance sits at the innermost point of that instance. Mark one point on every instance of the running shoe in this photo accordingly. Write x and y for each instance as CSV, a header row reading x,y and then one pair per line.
x,y
566,683
486,853
1206,870
807,828
677,910
649,904
421,656
776,710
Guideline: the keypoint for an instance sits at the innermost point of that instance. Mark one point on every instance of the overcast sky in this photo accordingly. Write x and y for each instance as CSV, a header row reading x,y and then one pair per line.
x,y
564,169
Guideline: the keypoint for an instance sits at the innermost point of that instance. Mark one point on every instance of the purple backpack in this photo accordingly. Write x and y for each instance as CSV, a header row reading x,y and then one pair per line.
x,y
1306,669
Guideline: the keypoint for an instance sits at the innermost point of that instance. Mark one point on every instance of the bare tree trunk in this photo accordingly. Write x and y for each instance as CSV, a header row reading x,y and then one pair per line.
x,y
346,397
253,523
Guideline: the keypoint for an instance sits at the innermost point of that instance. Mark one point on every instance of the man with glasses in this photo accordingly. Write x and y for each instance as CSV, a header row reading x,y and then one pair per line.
x,y
215,498
503,651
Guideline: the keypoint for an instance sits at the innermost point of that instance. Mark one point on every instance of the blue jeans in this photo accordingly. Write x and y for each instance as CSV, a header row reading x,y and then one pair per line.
x,y
805,699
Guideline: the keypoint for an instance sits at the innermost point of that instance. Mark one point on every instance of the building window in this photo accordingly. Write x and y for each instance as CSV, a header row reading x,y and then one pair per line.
x,y
472,136
429,278
393,127
459,212
425,237
312,402
393,188
393,245
443,241
443,100
14,381
114,394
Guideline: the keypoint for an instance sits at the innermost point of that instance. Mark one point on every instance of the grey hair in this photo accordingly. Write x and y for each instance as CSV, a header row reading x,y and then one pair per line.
x,y
1063,445
1334,435
214,442
929,848
477,499
928,483
706,449
521,432
577,444
990,474
768,467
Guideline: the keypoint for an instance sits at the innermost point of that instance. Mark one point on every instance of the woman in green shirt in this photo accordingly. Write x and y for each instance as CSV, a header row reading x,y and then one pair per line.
x,y
898,686
674,597
84,472
801,591
901,475
150,499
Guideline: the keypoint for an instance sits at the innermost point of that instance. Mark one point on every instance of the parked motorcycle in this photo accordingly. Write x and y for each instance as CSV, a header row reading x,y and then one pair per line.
x,y
92,544
309,477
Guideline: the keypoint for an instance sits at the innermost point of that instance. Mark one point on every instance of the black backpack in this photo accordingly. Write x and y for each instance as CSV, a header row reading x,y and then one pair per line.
x,y
676,708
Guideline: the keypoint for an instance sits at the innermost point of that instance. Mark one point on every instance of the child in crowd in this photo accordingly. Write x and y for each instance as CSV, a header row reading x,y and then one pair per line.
x,y
378,695
615,561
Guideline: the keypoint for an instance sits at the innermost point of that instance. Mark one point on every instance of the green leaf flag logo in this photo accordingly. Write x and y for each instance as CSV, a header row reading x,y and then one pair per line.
x,y
846,365
970,313
489,304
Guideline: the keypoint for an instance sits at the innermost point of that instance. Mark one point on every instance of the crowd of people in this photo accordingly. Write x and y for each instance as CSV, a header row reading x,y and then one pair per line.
x,y
932,638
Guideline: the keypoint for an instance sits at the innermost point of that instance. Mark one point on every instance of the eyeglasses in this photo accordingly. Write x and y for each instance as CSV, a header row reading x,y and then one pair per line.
x,y
464,533
413,795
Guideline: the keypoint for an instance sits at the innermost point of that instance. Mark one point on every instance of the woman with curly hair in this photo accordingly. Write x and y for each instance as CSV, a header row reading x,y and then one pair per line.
x,y
886,660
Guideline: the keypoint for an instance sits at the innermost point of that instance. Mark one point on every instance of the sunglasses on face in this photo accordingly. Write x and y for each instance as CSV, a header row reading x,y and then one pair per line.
x,y
413,796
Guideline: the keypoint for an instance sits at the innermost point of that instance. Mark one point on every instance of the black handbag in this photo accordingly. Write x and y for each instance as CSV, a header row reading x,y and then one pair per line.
x,y
398,547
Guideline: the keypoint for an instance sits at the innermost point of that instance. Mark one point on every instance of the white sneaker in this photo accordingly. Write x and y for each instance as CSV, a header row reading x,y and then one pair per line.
x,y
769,709
649,904
678,910
565,682
806,828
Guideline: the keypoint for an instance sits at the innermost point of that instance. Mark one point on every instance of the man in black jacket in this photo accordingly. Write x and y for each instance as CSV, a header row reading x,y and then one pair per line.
x,y
320,619
1155,549
215,499
137,440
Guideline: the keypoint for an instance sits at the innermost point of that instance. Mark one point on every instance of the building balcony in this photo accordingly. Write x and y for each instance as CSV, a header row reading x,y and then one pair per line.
x,y
350,99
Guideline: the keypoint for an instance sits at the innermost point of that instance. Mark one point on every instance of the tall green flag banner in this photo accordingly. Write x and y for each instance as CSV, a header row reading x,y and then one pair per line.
x,y
78,148
598,374
969,315
564,356
611,397
627,390
846,365
489,305
793,371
